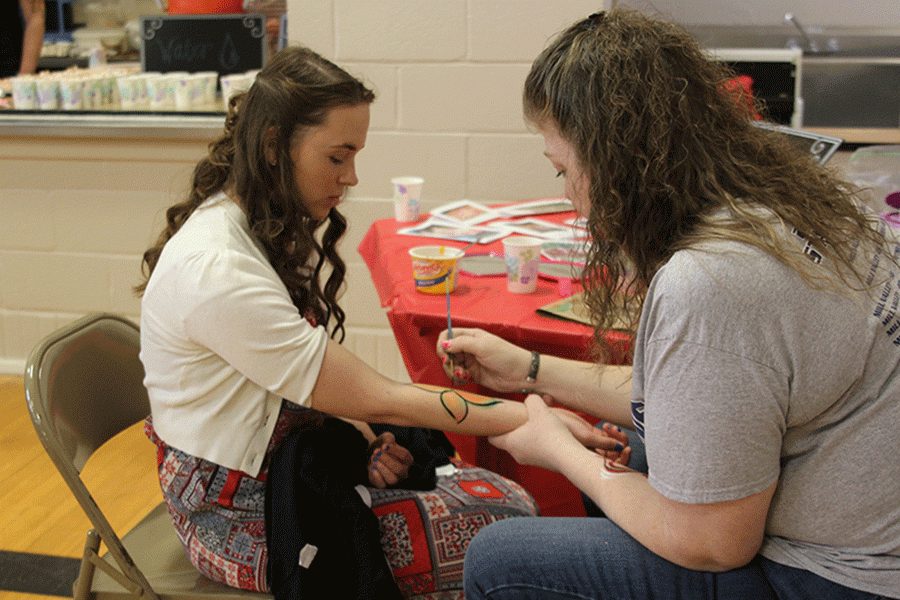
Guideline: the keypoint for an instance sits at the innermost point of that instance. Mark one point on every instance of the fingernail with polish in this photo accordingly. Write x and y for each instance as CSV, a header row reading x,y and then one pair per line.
x,y
445,344
619,447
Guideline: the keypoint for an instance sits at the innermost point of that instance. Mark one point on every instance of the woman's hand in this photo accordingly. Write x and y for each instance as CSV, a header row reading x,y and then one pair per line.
x,y
611,443
621,457
551,435
484,358
389,462
543,441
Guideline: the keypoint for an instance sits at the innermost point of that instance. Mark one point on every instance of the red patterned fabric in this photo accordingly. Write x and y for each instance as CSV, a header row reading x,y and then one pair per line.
x,y
219,516
426,534
219,513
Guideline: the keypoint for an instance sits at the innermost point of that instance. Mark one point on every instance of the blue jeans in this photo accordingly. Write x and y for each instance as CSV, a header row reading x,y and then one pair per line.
x,y
555,558
592,558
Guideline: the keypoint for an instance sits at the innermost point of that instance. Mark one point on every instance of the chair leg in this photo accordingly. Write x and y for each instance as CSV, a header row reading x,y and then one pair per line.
x,y
86,572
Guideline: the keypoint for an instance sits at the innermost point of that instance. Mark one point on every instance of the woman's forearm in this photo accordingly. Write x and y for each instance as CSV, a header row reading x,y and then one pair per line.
x,y
463,412
603,391
348,387
33,36
707,537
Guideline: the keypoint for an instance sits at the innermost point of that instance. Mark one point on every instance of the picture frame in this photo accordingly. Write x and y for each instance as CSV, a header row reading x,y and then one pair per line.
x,y
537,207
540,228
465,211
570,251
458,231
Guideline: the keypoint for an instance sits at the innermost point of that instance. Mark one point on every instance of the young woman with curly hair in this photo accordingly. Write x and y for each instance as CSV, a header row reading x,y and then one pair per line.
x,y
235,341
764,303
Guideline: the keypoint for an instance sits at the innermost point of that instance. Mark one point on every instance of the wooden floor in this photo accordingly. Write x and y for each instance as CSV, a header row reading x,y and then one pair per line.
x,y
38,513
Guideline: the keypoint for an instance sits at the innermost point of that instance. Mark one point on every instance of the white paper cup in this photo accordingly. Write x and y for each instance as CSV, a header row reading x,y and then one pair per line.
x,y
24,92
523,258
196,90
156,91
108,91
111,89
233,84
407,197
183,93
92,97
128,92
208,82
141,91
170,82
188,90
71,93
47,93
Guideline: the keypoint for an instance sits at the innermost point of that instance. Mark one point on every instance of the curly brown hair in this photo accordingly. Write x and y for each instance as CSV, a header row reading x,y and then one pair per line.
x,y
294,91
668,151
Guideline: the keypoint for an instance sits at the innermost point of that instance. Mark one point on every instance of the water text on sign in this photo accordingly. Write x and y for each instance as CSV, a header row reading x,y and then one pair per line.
x,y
183,49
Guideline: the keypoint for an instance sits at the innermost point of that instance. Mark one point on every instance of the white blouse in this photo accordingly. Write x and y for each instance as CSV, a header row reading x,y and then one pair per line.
x,y
221,341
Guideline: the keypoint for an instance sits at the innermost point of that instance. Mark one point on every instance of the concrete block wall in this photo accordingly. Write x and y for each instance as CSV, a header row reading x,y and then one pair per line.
x,y
76,214
449,77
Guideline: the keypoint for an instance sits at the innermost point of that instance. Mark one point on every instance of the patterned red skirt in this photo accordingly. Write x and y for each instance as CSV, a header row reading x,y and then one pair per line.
x,y
219,515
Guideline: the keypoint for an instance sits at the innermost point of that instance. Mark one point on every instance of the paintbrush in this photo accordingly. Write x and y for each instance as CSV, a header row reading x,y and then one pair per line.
x,y
449,322
477,240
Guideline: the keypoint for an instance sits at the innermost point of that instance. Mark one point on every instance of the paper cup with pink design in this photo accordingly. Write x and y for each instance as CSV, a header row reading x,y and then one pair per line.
x,y
407,196
523,258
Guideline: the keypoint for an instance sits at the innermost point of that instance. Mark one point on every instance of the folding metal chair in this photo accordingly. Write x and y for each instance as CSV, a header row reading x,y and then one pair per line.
x,y
84,385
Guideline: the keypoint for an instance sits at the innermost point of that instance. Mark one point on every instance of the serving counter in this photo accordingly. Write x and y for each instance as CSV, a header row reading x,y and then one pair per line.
x,y
206,125
111,124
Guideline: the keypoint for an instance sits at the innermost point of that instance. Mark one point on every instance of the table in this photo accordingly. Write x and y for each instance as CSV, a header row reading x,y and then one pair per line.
x,y
417,319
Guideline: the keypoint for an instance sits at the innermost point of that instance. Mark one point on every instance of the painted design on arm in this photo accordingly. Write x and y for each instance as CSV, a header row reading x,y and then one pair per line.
x,y
613,469
457,402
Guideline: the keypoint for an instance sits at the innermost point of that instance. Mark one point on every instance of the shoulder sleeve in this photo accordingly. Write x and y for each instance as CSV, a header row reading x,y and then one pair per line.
x,y
713,401
238,308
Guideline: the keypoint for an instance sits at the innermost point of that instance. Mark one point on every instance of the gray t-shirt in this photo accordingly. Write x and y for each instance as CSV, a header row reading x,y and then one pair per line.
x,y
744,374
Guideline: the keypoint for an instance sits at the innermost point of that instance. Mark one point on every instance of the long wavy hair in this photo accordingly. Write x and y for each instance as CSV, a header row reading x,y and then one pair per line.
x,y
668,150
293,93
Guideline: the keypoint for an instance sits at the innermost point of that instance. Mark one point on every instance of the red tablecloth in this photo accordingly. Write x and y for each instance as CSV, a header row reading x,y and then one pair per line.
x,y
483,302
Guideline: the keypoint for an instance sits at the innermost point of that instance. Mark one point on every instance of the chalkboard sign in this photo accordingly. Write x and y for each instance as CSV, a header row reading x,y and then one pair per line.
x,y
193,43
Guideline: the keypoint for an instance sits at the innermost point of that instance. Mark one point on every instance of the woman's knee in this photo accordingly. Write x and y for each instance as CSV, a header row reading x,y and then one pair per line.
x,y
488,544
493,551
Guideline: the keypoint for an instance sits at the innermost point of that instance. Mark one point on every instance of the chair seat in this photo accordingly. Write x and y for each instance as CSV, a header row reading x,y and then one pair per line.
x,y
158,553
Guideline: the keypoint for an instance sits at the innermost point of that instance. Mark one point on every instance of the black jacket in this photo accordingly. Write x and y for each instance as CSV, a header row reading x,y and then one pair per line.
x,y
310,499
